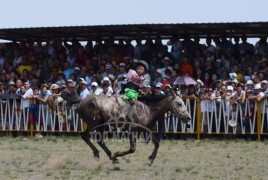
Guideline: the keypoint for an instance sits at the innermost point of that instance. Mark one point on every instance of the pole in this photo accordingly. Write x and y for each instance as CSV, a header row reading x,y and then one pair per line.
x,y
198,119
259,119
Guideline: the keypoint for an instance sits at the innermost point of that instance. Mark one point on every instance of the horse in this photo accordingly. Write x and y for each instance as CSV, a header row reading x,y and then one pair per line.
x,y
96,111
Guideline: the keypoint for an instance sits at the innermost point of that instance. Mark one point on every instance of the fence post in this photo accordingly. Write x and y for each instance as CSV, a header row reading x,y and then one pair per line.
x,y
198,119
259,119
84,126
31,129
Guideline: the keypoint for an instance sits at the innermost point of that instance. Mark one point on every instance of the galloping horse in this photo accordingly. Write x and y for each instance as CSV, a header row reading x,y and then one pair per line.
x,y
96,111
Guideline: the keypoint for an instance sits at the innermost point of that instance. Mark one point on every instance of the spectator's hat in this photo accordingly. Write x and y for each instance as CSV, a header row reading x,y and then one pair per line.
x,y
218,60
158,71
167,59
158,85
70,81
168,85
126,58
144,64
200,82
233,76
63,86
122,65
84,82
60,73
264,82
105,80
108,66
135,60
11,83
112,77
209,59
94,84
77,68
81,79
54,86
249,82
230,88
257,86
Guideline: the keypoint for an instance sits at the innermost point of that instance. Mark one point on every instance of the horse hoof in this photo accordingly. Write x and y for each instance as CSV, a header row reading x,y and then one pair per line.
x,y
151,161
96,156
115,161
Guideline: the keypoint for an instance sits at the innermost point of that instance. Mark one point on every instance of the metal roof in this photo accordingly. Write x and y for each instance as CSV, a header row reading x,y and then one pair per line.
x,y
134,31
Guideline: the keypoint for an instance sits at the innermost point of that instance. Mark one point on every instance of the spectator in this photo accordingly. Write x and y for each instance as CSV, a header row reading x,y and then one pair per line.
x,y
67,71
60,79
43,99
17,59
187,68
26,94
105,90
95,90
84,91
167,65
24,66
264,87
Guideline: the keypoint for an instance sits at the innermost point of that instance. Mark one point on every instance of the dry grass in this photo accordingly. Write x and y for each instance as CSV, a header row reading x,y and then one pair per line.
x,y
71,158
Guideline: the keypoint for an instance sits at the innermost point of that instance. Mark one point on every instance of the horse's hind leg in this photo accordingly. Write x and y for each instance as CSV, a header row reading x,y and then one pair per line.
x,y
102,144
132,148
85,136
154,153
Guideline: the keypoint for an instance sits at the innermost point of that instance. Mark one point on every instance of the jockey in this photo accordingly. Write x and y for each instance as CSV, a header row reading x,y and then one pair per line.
x,y
135,80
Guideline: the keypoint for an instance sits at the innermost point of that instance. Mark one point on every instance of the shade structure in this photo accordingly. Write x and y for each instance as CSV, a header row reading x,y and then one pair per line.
x,y
184,80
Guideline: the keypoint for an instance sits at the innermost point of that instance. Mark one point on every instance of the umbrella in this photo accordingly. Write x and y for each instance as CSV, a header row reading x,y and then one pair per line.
x,y
184,80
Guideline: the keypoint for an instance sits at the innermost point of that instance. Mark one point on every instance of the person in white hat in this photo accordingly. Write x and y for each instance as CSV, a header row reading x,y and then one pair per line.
x,y
264,87
250,86
258,93
84,91
95,90
227,98
106,81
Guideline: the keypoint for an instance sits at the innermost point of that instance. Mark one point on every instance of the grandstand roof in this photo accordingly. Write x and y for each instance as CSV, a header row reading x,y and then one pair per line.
x,y
134,31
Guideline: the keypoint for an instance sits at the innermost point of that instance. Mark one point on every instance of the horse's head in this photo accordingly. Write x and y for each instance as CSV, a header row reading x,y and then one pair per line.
x,y
179,109
70,96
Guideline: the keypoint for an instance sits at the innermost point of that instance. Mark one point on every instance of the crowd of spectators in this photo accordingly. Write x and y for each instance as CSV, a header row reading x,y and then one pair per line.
x,y
99,68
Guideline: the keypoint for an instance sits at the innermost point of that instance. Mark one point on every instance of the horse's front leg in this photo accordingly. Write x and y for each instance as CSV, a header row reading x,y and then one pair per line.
x,y
85,136
102,144
154,153
132,149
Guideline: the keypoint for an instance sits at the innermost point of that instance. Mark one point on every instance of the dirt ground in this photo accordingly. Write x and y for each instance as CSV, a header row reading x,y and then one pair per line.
x,y
70,158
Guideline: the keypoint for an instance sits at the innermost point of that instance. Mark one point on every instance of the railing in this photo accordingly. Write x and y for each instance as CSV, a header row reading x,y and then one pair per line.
x,y
208,117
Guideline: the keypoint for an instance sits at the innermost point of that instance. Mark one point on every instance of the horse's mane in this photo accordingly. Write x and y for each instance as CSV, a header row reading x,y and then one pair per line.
x,y
152,98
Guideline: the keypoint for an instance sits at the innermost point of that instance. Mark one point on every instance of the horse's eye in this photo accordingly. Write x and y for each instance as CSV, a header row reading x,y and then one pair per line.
x,y
179,104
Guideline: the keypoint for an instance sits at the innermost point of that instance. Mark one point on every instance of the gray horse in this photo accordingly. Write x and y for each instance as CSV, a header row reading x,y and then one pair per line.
x,y
97,111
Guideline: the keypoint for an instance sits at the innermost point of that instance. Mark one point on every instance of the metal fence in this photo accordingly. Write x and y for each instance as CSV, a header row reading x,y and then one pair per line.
x,y
210,117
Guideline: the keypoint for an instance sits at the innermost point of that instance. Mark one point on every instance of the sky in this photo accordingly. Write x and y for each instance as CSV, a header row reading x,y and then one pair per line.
x,y
44,13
